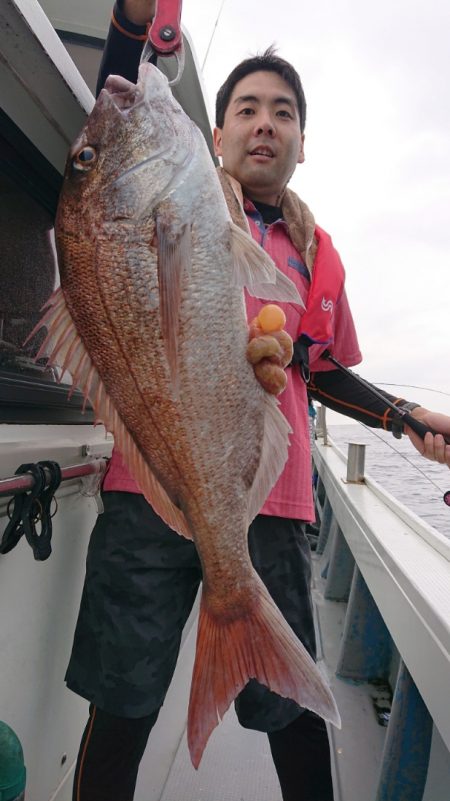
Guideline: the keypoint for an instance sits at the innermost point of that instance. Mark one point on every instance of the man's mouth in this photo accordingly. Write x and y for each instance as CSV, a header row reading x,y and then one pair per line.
x,y
262,151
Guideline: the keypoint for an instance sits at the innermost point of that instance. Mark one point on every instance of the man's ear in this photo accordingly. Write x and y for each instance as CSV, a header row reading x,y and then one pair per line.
x,y
301,151
217,139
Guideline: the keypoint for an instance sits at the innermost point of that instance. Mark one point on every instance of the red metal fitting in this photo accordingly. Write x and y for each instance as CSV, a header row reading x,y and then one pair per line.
x,y
165,32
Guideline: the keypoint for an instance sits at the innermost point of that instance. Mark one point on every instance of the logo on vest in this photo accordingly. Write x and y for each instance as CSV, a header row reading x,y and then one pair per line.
x,y
327,305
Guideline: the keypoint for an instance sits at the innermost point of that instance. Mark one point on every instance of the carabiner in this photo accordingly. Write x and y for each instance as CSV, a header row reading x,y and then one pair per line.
x,y
165,37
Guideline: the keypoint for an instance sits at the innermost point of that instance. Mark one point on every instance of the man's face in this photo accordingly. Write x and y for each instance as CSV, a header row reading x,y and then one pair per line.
x,y
260,142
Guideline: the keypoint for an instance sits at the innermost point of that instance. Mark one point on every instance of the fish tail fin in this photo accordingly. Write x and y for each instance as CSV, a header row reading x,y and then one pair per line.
x,y
258,645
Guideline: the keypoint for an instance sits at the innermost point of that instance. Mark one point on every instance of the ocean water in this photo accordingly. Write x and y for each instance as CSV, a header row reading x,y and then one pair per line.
x,y
395,464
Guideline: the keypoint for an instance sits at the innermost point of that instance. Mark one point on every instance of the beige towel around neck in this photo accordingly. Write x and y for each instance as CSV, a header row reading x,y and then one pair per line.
x,y
296,213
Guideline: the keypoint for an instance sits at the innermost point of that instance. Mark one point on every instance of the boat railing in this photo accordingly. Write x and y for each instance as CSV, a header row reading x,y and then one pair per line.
x,y
33,502
14,485
392,572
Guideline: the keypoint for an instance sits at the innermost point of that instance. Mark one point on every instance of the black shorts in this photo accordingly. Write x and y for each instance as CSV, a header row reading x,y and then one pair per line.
x,y
141,582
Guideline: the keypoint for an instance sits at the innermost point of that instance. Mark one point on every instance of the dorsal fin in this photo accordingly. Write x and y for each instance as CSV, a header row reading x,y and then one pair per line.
x,y
65,349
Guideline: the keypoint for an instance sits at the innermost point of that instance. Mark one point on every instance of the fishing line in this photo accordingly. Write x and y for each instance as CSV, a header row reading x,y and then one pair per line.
x,y
212,35
413,386
399,453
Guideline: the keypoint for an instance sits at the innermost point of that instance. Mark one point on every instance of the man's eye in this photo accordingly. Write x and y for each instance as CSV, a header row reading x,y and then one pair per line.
x,y
284,113
246,111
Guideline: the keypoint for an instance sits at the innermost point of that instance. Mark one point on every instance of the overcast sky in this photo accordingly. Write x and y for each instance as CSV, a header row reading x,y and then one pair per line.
x,y
377,169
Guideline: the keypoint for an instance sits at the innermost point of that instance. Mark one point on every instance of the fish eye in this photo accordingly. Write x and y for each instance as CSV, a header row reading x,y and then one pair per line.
x,y
85,158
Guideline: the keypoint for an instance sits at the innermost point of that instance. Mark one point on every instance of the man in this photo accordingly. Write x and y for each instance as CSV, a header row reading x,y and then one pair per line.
x,y
142,578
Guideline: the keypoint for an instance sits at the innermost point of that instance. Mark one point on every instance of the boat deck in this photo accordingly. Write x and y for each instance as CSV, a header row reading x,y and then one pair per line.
x,y
237,764
238,767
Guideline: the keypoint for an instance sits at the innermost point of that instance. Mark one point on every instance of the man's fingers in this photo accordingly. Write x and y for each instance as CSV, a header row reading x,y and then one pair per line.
x,y
264,347
432,447
269,354
271,377
428,446
440,449
287,346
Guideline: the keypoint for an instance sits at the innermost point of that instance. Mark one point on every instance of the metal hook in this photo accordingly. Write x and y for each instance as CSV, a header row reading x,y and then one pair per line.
x,y
149,53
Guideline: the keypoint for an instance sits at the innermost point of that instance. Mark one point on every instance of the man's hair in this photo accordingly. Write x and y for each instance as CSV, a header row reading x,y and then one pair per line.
x,y
268,62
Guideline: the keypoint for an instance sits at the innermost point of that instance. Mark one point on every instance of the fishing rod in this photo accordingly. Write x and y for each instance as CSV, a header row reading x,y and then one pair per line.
x,y
419,428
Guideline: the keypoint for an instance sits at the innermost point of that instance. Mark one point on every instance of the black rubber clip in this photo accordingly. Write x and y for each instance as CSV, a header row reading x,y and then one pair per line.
x,y
42,543
301,356
33,507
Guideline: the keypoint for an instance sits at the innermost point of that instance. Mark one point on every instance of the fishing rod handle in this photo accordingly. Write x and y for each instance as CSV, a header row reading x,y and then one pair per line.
x,y
420,428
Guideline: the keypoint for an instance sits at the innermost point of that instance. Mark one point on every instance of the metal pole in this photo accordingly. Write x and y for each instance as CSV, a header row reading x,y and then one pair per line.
x,y
18,484
355,463
406,754
321,427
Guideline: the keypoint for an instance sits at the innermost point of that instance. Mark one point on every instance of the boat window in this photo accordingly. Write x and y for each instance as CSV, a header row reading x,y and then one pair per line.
x,y
28,279
29,389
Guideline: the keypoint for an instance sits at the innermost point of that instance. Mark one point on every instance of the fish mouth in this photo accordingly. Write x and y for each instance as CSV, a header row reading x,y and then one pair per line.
x,y
122,92
152,92
151,87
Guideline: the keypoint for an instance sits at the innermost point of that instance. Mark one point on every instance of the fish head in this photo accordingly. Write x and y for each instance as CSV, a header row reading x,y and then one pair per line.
x,y
134,147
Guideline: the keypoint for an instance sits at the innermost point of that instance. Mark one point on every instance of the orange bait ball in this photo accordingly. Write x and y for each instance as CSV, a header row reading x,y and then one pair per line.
x,y
271,318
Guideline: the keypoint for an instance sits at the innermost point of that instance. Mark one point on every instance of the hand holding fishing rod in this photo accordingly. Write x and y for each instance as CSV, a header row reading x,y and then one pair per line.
x,y
435,423
417,426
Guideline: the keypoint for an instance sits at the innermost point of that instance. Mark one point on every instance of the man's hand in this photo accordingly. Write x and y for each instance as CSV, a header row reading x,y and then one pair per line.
x,y
432,447
140,12
269,354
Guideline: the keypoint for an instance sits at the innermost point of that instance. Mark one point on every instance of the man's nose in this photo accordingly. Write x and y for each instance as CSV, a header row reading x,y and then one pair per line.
x,y
265,125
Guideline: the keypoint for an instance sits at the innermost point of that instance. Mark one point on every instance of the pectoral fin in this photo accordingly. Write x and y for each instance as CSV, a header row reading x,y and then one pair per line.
x,y
255,270
174,258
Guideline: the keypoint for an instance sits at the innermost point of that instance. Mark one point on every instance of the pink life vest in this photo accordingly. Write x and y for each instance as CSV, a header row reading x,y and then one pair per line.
x,y
326,288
